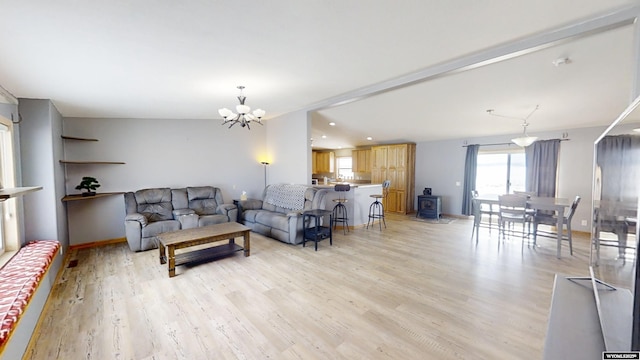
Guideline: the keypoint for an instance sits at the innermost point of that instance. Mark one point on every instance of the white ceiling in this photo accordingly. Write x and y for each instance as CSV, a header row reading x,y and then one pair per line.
x,y
184,59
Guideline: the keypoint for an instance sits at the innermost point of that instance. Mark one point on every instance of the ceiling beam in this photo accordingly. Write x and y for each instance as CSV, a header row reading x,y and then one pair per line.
x,y
601,23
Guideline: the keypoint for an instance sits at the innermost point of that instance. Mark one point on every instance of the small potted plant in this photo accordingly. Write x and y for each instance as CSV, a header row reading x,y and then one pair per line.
x,y
90,184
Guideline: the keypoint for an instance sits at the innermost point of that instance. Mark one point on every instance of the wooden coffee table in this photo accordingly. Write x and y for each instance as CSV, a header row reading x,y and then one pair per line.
x,y
202,235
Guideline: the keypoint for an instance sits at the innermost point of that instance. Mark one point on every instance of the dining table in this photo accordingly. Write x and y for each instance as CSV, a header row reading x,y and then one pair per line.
x,y
534,202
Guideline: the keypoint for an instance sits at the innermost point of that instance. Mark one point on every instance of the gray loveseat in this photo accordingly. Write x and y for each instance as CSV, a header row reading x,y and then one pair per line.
x,y
150,212
278,214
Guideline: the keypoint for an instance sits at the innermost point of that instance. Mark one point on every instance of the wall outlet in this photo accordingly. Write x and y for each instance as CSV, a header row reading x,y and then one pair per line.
x,y
583,222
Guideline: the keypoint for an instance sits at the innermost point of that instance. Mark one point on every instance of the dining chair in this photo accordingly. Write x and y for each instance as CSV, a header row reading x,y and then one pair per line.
x,y
531,212
541,218
525,193
513,210
484,209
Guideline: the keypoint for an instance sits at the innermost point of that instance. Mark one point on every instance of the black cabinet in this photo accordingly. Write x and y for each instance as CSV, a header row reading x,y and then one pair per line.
x,y
429,206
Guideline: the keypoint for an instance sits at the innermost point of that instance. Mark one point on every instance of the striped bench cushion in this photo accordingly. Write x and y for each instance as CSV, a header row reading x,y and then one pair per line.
x,y
19,279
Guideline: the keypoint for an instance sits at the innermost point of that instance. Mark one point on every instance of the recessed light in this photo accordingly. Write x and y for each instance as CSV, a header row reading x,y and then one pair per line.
x,y
332,123
369,138
324,136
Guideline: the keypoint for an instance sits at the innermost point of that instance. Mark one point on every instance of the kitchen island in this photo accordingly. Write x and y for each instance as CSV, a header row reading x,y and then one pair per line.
x,y
358,200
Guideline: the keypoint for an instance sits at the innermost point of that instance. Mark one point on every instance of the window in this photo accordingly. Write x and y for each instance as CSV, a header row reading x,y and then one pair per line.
x,y
501,172
8,222
344,166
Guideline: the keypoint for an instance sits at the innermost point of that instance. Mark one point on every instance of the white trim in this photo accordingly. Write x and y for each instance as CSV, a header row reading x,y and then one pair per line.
x,y
6,97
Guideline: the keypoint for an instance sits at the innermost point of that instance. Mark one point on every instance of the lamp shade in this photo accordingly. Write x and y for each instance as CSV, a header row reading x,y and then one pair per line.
x,y
242,109
224,112
525,140
259,113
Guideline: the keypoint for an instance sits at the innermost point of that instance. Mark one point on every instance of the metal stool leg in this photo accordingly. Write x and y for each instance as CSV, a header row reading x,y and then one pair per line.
x,y
376,211
340,216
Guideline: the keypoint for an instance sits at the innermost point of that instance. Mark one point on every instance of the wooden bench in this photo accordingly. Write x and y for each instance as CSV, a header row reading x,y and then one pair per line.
x,y
19,280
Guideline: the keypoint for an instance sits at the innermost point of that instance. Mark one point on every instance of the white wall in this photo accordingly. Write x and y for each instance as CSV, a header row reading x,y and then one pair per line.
x,y
59,176
158,153
39,128
177,153
439,165
289,149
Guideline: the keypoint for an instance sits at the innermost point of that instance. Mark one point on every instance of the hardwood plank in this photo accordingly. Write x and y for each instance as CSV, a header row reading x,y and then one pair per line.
x,y
415,290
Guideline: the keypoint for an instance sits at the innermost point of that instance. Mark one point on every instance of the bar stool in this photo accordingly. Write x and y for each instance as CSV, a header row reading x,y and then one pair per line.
x,y
376,210
340,210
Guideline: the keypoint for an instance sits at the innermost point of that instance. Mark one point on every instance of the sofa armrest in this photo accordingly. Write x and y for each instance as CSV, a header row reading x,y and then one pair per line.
x,y
294,213
137,217
187,217
250,204
229,210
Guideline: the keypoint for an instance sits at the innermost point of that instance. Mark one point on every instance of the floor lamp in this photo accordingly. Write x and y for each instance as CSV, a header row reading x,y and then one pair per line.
x,y
265,172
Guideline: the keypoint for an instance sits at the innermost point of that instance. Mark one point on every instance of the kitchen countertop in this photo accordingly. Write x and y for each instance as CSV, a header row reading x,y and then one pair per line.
x,y
332,185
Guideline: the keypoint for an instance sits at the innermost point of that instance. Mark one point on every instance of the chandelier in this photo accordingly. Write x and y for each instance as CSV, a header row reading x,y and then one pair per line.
x,y
244,116
524,140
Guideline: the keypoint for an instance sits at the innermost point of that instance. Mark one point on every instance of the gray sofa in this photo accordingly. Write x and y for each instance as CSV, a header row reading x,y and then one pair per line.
x,y
150,212
278,214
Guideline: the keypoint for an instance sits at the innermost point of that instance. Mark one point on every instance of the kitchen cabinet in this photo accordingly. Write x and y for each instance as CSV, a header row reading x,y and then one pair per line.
x,y
324,162
314,162
361,161
397,164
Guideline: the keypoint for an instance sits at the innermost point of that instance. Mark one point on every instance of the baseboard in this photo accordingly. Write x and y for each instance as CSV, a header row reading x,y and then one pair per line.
x,y
455,216
97,243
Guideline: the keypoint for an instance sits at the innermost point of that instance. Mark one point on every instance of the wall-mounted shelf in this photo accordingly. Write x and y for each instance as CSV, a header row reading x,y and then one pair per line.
x,y
98,195
65,137
92,162
77,138
15,192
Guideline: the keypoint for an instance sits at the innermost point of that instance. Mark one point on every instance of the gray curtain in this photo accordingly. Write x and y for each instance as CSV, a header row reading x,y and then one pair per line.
x,y
542,167
470,172
619,159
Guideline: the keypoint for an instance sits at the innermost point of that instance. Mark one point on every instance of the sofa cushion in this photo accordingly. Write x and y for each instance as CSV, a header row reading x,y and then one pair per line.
x,y
203,200
158,227
179,198
155,204
273,219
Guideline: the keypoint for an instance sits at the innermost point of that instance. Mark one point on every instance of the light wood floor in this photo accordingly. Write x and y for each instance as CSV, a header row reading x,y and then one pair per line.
x,y
413,291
